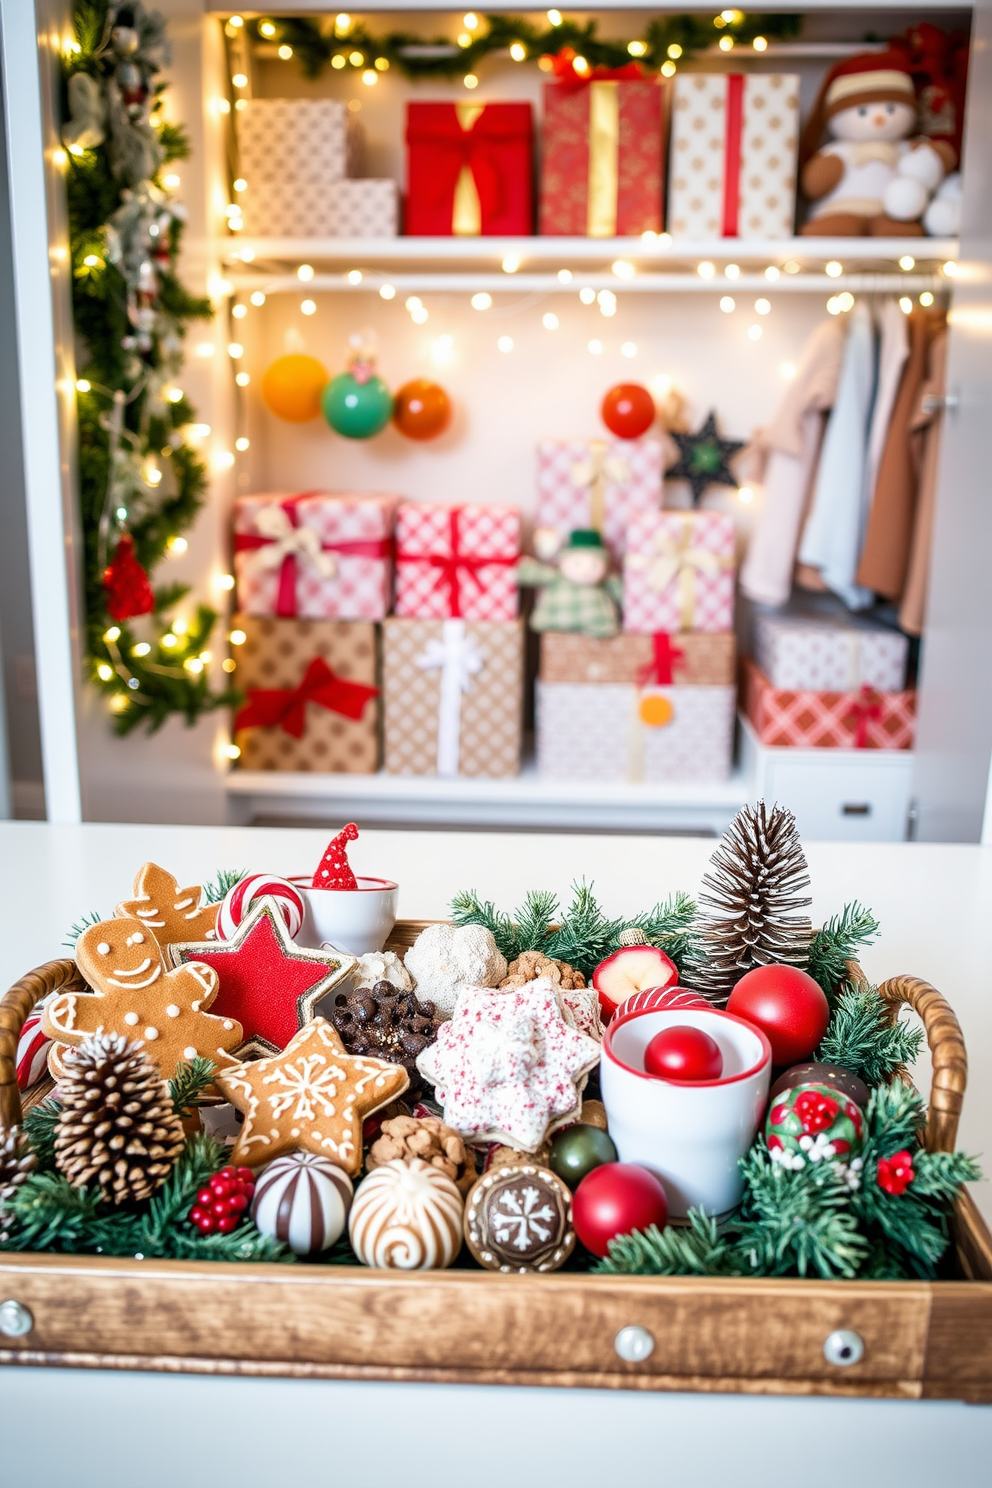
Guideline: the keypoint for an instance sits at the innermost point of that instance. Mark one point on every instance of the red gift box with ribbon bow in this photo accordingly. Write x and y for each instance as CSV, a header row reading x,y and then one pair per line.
x,y
469,169
310,695
316,555
803,719
457,562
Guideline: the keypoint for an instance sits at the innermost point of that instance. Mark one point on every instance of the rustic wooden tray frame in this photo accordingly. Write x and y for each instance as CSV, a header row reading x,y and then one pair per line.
x,y
756,1336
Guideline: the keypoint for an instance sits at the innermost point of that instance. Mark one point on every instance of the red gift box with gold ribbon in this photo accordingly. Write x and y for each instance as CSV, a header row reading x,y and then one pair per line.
x,y
603,153
457,562
469,169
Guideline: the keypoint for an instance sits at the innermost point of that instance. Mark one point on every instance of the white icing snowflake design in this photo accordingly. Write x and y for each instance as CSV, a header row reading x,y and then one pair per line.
x,y
308,1084
518,1221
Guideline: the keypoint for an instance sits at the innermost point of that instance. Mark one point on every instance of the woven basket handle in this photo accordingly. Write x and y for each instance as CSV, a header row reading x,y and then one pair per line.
x,y
947,1054
14,1008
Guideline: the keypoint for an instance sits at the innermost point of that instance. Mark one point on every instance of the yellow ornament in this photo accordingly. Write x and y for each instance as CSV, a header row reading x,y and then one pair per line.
x,y
292,385
656,711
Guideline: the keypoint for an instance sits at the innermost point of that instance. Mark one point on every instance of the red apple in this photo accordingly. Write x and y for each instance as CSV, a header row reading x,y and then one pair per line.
x,y
631,969
682,1052
787,1005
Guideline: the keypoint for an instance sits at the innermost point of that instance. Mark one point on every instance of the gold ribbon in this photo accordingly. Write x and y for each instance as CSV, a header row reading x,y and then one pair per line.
x,y
674,559
604,159
466,214
595,472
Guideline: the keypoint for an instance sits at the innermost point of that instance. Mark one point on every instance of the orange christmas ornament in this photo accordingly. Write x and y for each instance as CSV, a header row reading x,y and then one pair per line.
x,y
292,385
421,409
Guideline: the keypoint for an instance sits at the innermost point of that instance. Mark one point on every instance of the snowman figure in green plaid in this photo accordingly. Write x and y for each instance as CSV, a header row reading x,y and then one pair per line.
x,y
579,593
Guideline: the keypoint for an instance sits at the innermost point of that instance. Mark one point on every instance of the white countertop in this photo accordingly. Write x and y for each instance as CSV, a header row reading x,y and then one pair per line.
x,y
934,903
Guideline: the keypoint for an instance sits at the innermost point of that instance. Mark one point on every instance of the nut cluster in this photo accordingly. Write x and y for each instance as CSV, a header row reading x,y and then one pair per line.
x,y
426,1137
531,964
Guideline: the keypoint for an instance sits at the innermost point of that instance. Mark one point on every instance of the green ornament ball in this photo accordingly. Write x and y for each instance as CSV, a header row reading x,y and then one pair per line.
x,y
357,409
577,1150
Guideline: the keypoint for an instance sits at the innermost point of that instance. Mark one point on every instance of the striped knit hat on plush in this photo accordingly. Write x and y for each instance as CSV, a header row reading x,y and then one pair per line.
x,y
870,77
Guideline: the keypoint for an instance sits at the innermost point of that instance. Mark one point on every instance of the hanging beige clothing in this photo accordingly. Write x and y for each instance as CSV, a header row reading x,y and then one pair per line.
x,y
928,425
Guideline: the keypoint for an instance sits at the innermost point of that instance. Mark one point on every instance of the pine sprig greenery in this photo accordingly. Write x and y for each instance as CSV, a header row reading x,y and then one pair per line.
x,y
218,887
188,1084
90,917
862,1037
38,1125
837,943
585,935
698,1249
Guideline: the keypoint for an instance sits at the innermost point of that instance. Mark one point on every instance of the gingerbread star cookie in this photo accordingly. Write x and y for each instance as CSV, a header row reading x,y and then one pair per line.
x,y
135,994
508,1067
171,913
313,1097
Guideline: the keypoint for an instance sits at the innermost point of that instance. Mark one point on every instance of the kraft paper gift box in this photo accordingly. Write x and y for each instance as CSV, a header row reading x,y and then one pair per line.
x,y
457,562
732,169
678,572
829,655
602,164
693,658
469,169
318,555
311,701
601,483
293,152
805,719
614,732
452,697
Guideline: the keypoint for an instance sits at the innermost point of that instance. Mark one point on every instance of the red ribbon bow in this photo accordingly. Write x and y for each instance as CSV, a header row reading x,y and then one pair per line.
x,y
374,547
563,67
867,705
286,707
478,148
660,669
454,566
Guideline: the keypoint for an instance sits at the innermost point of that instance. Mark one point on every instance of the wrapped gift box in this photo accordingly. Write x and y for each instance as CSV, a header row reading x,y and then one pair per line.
x,y
806,719
293,151
457,561
452,697
469,169
319,555
601,483
302,709
678,572
365,208
612,731
735,142
602,158
692,658
828,654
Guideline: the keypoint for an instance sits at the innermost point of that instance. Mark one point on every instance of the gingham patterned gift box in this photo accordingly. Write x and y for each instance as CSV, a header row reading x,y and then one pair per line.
x,y
804,719
597,483
292,152
678,573
457,562
316,556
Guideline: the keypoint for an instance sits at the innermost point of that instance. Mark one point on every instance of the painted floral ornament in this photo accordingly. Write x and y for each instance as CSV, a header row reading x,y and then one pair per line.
x,y
813,1123
357,403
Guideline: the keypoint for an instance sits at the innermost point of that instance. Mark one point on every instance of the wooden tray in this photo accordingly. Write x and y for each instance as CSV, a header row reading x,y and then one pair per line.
x,y
757,1336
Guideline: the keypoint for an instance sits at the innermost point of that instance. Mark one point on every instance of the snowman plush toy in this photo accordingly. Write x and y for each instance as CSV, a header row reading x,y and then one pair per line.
x,y
875,176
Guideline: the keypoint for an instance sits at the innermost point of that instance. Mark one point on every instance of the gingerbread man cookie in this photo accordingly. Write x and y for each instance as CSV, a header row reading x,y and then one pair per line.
x,y
313,1097
135,994
171,913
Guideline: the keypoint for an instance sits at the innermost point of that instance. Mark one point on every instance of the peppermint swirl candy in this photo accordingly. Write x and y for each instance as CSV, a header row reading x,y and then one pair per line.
x,y
406,1217
661,999
246,894
303,1200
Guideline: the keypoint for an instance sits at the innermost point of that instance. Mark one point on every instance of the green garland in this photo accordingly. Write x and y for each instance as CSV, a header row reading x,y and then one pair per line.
x,y
137,471
315,44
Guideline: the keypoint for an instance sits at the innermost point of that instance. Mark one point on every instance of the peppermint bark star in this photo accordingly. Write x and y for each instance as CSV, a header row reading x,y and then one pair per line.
x,y
507,1067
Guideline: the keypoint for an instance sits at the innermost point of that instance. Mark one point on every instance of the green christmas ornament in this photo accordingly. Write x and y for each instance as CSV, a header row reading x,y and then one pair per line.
x,y
357,403
813,1123
703,459
577,1150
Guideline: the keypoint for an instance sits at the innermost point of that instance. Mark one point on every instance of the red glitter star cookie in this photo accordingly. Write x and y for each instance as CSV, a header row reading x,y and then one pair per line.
x,y
507,1067
267,982
313,1097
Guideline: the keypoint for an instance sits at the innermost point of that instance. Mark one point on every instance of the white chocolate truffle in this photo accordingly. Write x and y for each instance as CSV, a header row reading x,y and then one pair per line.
x,y
445,958
406,1217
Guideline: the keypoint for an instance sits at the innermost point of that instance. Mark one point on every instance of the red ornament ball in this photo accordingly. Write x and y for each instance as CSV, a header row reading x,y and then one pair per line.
x,y
221,1203
125,583
628,410
787,1005
615,1199
683,1053
421,409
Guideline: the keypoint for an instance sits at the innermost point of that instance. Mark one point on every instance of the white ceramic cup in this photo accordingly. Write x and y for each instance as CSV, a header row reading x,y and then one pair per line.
x,y
690,1133
353,920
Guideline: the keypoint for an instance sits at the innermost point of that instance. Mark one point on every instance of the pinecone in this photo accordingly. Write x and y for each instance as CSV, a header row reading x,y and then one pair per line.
x,y
16,1162
428,1138
749,899
387,1024
117,1129
531,964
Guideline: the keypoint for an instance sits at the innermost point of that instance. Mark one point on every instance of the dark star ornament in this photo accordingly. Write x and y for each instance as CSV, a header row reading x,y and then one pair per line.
x,y
267,982
703,459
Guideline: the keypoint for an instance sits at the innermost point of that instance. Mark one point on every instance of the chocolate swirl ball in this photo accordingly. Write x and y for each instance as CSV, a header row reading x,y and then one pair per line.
x,y
406,1217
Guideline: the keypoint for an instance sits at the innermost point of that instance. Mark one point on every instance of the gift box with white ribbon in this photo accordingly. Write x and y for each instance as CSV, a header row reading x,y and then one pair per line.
x,y
678,573
599,483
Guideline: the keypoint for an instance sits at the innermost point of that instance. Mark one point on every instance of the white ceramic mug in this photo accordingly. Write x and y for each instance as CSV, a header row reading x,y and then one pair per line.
x,y
353,920
690,1133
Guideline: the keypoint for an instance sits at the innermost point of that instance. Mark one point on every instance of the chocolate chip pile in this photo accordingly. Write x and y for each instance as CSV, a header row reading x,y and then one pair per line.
x,y
386,1023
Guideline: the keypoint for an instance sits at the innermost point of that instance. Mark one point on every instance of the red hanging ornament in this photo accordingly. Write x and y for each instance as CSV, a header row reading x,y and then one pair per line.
x,y
126,584
334,870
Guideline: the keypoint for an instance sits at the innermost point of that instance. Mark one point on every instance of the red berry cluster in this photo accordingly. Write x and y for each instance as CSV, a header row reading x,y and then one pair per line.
x,y
219,1206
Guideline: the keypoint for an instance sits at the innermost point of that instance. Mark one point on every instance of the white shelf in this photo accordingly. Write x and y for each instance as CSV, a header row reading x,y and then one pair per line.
x,y
545,284
525,801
